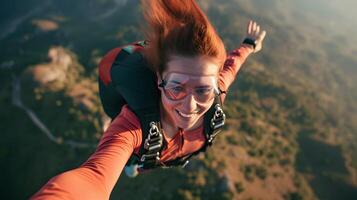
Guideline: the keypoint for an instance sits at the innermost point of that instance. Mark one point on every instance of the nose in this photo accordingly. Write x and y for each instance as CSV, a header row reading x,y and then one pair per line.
x,y
189,104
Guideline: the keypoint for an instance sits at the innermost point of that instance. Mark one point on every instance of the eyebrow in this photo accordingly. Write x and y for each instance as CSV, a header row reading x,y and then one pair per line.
x,y
173,81
204,86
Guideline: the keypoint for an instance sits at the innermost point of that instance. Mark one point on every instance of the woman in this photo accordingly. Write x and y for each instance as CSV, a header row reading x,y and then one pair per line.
x,y
192,69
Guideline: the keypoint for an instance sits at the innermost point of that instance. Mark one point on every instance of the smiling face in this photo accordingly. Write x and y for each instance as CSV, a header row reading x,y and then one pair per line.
x,y
190,75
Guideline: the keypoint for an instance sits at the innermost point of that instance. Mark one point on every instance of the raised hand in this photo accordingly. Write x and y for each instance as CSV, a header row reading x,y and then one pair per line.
x,y
255,33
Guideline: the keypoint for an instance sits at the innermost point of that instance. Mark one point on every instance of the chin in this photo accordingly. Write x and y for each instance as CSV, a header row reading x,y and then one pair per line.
x,y
186,127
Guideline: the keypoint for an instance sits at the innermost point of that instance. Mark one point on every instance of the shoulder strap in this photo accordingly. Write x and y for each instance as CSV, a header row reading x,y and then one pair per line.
x,y
137,84
124,78
112,99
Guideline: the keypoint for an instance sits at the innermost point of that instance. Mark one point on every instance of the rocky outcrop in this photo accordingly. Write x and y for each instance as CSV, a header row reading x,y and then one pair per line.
x,y
64,74
53,75
60,84
45,25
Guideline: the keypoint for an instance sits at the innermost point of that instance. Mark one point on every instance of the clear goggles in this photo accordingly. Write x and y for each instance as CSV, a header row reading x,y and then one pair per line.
x,y
177,86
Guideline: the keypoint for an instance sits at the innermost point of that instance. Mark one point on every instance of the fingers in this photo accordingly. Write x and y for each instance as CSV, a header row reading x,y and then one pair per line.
x,y
254,27
249,27
254,30
257,30
262,36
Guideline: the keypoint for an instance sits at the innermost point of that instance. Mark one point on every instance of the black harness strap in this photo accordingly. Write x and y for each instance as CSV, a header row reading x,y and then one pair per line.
x,y
137,85
152,139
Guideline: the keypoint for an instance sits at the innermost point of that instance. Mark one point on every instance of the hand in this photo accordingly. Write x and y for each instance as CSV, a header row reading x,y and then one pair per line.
x,y
254,32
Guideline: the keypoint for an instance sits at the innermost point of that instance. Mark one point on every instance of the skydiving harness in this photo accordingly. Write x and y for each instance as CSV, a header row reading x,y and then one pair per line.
x,y
119,72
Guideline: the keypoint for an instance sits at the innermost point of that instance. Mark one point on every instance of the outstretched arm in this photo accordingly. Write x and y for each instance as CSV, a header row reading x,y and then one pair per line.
x,y
236,58
96,178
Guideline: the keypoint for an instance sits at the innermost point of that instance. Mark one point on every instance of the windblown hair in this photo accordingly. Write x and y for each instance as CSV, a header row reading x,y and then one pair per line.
x,y
179,27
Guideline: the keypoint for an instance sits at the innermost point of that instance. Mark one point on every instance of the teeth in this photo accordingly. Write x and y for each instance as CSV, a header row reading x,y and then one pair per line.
x,y
185,115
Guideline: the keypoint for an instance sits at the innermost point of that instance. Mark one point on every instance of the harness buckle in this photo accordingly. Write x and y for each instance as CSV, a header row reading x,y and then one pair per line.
x,y
152,144
219,117
217,122
154,130
154,139
148,156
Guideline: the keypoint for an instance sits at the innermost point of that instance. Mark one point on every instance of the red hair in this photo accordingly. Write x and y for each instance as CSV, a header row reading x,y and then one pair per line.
x,y
179,27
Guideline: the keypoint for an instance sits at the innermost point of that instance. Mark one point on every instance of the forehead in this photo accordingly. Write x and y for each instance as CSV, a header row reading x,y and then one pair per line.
x,y
194,66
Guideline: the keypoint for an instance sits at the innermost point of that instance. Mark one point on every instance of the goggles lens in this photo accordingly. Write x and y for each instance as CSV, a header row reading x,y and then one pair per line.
x,y
178,86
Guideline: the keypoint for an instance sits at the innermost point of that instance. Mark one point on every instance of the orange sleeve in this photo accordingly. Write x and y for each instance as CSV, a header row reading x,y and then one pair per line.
x,y
96,178
233,63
